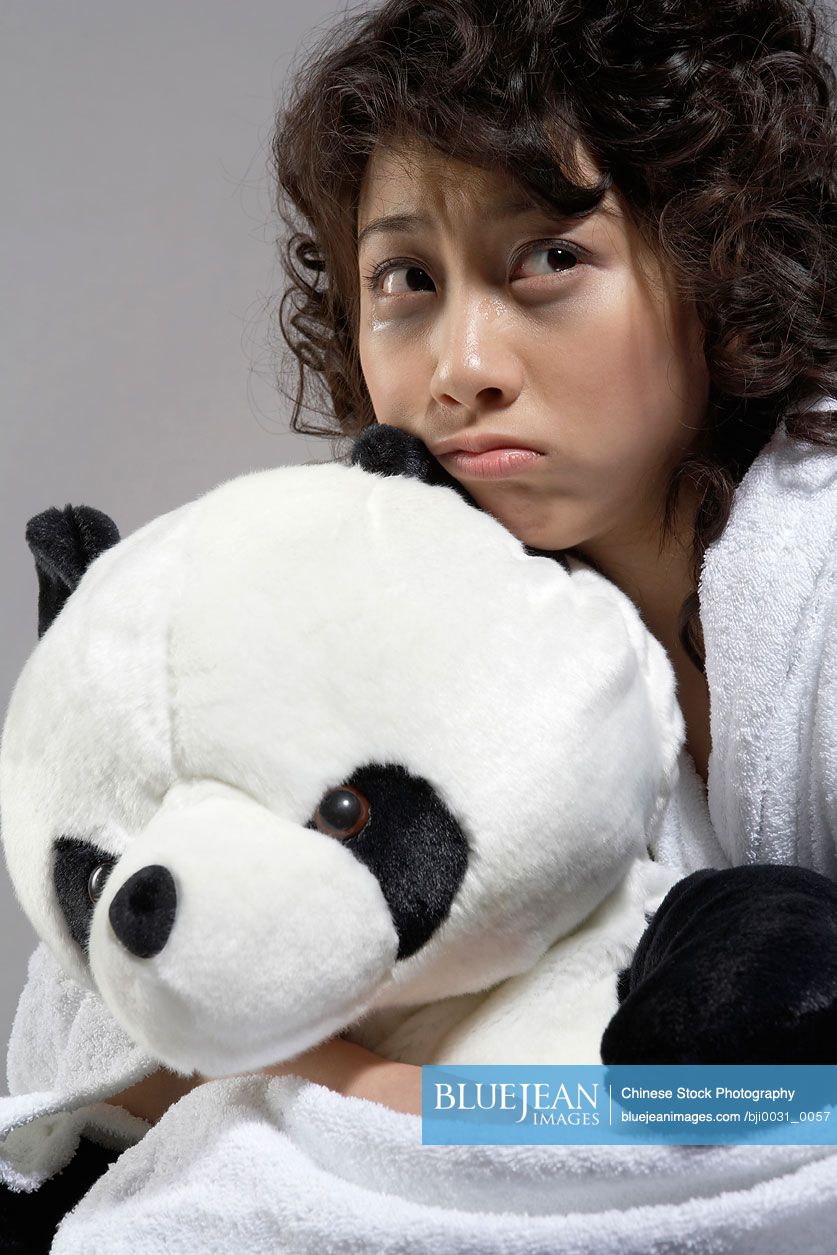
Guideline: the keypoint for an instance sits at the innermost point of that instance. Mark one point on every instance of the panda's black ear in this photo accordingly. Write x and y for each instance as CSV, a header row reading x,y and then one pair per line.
x,y
386,450
64,543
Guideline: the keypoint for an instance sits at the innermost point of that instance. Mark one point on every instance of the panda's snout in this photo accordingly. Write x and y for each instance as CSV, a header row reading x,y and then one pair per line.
x,y
142,911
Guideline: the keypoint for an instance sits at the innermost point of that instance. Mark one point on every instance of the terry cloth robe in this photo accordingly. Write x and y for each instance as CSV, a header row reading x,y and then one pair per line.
x,y
262,1164
768,608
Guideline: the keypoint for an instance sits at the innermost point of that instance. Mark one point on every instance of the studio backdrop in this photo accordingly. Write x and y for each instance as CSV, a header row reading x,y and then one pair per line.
x,y
140,278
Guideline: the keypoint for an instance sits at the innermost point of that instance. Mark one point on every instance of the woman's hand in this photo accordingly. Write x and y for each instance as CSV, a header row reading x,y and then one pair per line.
x,y
337,1064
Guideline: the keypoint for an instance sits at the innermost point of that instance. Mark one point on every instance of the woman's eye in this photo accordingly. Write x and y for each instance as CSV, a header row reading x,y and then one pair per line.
x,y
382,280
557,258
342,813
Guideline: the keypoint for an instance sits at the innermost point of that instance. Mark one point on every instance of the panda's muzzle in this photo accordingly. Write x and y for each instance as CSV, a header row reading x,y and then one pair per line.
x,y
227,937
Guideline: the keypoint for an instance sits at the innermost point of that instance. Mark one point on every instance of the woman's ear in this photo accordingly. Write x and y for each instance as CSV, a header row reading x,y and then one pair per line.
x,y
64,543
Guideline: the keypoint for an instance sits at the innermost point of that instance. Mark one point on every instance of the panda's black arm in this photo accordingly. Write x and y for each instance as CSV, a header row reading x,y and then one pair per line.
x,y
737,966
28,1221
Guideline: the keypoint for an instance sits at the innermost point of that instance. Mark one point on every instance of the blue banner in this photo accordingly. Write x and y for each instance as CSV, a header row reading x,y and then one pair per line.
x,y
596,1105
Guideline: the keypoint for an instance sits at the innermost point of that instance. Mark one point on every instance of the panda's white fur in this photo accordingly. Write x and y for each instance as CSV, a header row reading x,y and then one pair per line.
x,y
214,674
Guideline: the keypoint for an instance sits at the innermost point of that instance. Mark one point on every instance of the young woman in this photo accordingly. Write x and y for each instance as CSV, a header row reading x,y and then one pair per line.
x,y
601,235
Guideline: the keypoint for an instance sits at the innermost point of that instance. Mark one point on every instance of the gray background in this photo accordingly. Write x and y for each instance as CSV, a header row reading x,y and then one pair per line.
x,y
139,276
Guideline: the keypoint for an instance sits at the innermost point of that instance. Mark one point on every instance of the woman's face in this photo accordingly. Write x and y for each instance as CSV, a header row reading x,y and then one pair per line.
x,y
564,336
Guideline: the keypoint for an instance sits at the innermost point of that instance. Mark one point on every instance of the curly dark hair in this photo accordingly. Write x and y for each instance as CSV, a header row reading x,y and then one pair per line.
x,y
714,120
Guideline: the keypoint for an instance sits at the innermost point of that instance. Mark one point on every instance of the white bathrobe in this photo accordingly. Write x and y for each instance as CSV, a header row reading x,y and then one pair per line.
x,y
257,1165
768,607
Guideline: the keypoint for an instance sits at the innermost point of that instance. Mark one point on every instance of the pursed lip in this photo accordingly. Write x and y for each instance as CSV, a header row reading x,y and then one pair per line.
x,y
480,442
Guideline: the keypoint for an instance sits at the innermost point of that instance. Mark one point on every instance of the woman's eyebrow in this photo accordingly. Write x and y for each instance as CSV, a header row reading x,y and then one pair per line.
x,y
509,208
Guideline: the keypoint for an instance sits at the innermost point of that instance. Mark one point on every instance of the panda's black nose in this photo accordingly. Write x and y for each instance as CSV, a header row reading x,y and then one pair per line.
x,y
143,910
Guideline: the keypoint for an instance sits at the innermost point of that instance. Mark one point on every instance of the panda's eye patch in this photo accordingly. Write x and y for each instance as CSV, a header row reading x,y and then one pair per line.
x,y
342,813
79,874
397,825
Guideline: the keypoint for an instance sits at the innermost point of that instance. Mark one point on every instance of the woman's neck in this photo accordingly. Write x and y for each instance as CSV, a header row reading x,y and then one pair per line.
x,y
657,580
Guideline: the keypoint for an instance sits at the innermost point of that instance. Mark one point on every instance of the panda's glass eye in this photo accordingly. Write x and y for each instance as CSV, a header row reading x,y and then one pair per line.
x,y
342,813
96,880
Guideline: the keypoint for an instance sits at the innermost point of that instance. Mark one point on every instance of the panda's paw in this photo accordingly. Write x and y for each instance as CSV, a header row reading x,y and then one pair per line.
x,y
737,966
28,1221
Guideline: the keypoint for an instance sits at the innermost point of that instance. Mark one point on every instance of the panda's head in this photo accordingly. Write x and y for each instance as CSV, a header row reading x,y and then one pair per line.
x,y
322,740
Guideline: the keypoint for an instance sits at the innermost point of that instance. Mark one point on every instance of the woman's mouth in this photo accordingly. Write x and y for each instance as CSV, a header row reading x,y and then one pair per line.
x,y
493,464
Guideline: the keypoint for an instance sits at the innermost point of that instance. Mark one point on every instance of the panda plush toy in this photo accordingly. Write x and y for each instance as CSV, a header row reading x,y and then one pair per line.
x,y
324,749
328,750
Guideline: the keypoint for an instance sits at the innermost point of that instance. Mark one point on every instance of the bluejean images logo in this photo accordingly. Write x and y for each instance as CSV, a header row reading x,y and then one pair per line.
x,y
597,1105
538,1101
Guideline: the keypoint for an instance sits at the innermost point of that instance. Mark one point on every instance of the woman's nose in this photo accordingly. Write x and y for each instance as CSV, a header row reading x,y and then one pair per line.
x,y
475,359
